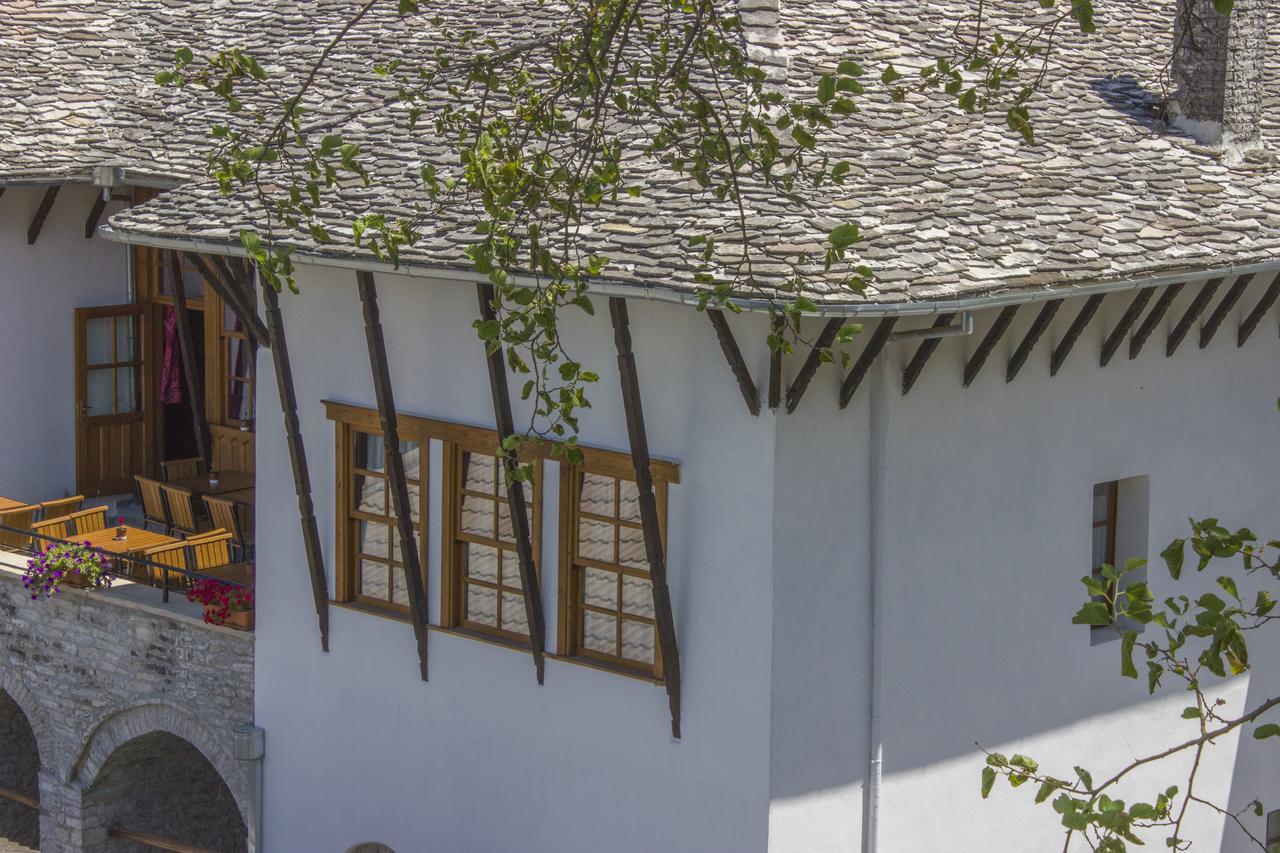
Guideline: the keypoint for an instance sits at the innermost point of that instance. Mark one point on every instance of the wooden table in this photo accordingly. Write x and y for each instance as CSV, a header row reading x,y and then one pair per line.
x,y
241,573
228,481
9,503
243,496
138,540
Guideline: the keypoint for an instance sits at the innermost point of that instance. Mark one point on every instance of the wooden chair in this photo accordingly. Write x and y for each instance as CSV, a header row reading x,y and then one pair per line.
x,y
21,517
89,520
58,528
180,469
62,506
173,555
211,550
227,514
154,510
181,505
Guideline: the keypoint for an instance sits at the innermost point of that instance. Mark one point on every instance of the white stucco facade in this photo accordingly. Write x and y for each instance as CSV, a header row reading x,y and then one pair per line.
x,y
987,504
41,285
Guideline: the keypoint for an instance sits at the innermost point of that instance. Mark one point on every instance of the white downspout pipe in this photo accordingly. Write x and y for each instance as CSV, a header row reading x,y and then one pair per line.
x,y
877,491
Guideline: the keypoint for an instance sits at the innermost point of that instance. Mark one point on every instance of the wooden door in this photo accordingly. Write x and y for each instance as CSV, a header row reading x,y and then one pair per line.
x,y
111,396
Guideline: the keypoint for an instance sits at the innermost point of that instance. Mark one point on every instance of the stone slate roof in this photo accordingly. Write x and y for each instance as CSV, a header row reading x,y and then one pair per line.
x,y
952,204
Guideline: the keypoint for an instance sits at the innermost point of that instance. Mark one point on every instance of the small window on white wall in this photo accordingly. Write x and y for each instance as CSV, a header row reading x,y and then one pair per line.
x,y
1120,523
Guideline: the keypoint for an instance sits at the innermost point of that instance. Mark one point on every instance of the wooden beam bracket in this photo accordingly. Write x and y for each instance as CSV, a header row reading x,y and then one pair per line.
x,y
737,365
95,214
1259,311
1038,327
630,380
231,292
825,339
515,490
1112,344
1077,327
1003,320
923,352
298,458
1153,318
42,213
399,484
1193,312
879,340
1237,289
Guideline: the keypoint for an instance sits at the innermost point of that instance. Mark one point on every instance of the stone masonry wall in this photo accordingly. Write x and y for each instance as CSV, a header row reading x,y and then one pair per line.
x,y
93,671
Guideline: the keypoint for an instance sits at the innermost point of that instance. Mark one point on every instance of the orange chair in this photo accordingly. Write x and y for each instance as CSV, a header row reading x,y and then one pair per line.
x,y
21,517
89,520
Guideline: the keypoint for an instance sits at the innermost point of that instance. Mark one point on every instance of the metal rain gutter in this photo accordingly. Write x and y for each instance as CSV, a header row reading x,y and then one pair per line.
x,y
663,294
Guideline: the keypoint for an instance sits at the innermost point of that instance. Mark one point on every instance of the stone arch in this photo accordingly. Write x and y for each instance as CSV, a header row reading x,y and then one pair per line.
x,y
19,774
122,726
31,708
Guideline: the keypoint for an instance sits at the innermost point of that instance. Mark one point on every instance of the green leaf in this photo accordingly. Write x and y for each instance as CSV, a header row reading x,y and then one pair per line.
x,y
1173,557
988,780
843,236
1093,613
826,88
1267,730
1191,712
1127,669
890,74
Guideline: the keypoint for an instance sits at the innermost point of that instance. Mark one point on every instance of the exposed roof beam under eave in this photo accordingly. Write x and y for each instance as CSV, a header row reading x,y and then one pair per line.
x,y
42,213
665,294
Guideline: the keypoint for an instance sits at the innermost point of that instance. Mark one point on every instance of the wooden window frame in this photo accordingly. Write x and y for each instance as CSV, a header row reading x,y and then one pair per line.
x,y
1113,500
347,520
570,603
453,582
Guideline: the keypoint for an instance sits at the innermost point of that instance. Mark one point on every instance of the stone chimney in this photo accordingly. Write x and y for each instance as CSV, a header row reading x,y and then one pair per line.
x,y
766,46
1217,73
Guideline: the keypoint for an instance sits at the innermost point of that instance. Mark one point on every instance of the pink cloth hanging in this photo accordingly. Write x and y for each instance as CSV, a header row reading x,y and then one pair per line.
x,y
170,378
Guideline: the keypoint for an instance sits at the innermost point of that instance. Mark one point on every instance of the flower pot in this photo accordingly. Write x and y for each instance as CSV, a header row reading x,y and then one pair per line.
x,y
241,620
75,580
211,614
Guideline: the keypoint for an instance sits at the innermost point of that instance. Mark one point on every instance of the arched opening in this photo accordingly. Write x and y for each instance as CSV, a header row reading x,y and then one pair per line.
x,y
370,847
158,787
19,776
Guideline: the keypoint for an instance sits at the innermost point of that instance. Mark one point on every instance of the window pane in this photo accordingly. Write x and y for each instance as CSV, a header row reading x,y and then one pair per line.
x,y
637,596
98,332
375,539
481,562
600,588
595,540
399,589
127,390
597,494
631,548
373,579
126,339
600,633
479,473
628,501
637,641
237,359
239,399
371,494
1099,546
505,532
477,516
99,391
411,453
369,452
1101,503
511,570
482,605
513,615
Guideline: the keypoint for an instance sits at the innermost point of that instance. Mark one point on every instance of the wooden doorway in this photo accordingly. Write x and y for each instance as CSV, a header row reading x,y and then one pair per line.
x,y
112,424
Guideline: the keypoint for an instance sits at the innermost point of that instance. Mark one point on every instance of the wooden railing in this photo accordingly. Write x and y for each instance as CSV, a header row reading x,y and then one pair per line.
x,y
155,841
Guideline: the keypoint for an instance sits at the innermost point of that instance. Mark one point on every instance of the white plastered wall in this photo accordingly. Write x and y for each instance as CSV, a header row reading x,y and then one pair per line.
x,y
41,285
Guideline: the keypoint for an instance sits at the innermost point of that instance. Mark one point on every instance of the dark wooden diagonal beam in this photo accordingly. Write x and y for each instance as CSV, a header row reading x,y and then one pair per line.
x,y
515,490
232,293
1038,327
1259,311
298,458
190,373
95,214
399,484
630,379
1077,327
974,366
1210,327
42,213
1112,344
775,363
825,339
732,354
879,340
1193,312
1153,318
923,352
